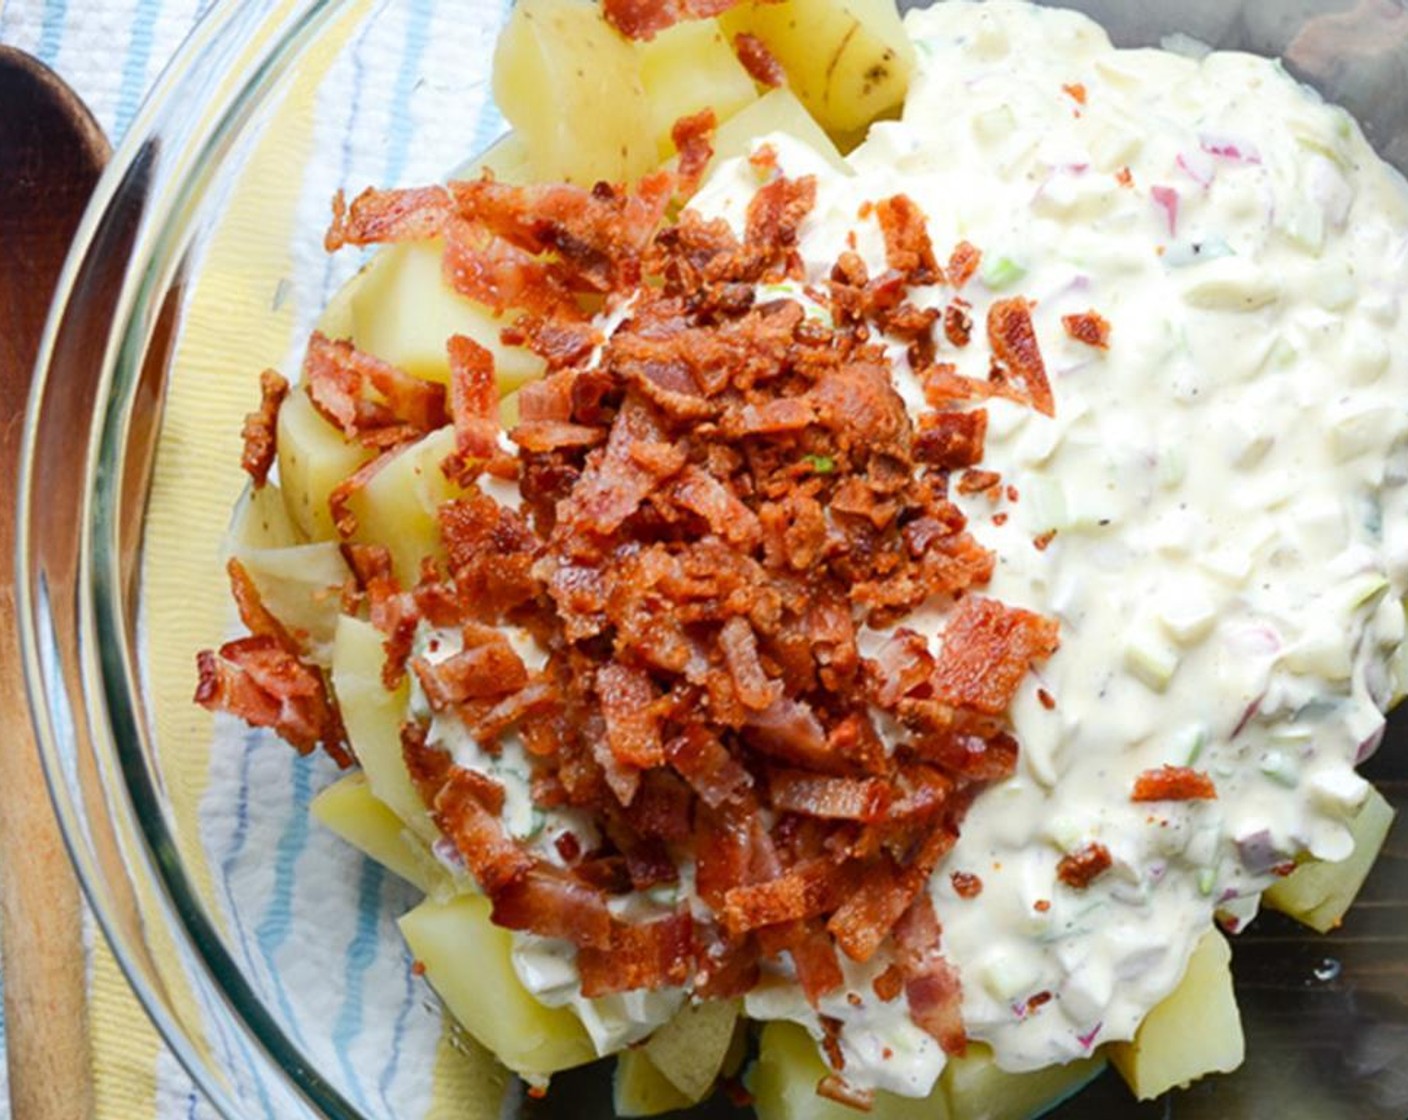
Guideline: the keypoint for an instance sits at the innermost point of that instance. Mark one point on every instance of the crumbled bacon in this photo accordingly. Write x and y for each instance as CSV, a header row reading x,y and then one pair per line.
x,y
761,63
834,1087
1089,327
1082,867
380,216
716,498
1174,783
261,427
644,19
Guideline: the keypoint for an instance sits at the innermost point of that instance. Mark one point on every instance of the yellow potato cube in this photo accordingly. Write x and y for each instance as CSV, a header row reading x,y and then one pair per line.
x,y
976,1089
349,808
639,1089
690,67
848,60
776,111
468,962
261,520
571,86
1317,893
313,459
373,718
784,1079
1195,1031
690,1049
404,313
397,508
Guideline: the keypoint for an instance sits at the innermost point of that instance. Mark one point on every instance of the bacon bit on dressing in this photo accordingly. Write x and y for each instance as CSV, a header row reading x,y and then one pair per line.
x,y
1124,177
1041,905
958,324
834,1087
1082,867
1174,783
1042,541
693,139
1018,371
1088,327
1045,699
1076,92
715,500
966,884
261,428
761,63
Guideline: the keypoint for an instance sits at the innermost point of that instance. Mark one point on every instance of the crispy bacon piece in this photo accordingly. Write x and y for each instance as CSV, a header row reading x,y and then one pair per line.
x,y
740,648
951,440
644,19
379,216
1018,370
491,270
540,436
962,263
931,985
261,428
807,889
1174,783
908,249
761,63
646,956
474,405
551,903
368,399
820,795
834,1087
491,552
699,757
987,649
1082,867
265,685
463,812
1089,327
863,921
693,138
485,669
958,324
632,725
775,215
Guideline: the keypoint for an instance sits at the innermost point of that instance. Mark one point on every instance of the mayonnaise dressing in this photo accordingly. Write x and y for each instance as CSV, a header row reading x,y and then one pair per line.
x,y
1225,484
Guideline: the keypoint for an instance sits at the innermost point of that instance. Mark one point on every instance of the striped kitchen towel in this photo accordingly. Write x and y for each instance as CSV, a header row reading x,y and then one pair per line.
x,y
311,924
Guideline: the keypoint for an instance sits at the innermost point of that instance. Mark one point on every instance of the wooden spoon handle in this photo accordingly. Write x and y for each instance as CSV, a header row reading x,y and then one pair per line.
x,y
51,153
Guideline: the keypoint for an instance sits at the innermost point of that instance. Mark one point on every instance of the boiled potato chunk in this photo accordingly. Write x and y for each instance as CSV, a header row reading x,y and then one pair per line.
x,y
1318,893
776,111
639,1089
397,507
689,1050
302,585
1196,1030
848,60
373,718
690,67
261,520
313,459
784,1078
976,1089
404,313
349,808
467,960
571,87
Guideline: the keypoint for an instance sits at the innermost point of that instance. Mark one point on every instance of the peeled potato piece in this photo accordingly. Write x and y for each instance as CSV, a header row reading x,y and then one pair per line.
x,y
313,459
571,87
397,508
302,586
848,60
467,961
690,67
976,1089
1195,1031
689,1050
373,718
639,1089
776,111
1317,893
403,312
261,520
783,1083
349,808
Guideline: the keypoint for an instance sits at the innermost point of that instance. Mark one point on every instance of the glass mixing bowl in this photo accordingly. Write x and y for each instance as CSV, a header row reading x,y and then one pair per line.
x,y
262,947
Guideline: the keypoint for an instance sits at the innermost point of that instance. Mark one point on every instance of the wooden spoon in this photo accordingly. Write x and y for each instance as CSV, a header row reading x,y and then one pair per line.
x,y
51,153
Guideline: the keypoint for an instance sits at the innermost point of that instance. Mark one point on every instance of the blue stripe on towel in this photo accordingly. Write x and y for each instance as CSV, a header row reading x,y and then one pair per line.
x,y
398,1034
361,952
407,78
277,922
51,30
134,70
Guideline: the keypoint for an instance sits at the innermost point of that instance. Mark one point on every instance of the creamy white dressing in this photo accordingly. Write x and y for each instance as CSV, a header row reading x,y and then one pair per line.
x,y
1225,483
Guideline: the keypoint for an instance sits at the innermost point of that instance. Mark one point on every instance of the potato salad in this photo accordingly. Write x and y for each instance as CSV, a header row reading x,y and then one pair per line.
x,y
864,625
